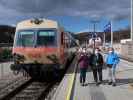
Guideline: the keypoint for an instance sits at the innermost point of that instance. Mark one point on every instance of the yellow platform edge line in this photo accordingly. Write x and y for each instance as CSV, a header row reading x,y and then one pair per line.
x,y
71,83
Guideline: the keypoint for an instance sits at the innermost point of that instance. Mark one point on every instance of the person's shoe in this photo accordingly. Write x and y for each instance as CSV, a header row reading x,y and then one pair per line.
x,y
80,84
97,84
100,82
109,83
114,84
83,84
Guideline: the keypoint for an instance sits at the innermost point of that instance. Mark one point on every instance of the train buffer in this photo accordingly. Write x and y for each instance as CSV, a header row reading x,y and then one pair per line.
x,y
70,88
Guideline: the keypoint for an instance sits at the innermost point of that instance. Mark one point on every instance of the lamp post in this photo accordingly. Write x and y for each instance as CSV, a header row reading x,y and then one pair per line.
x,y
94,33
111,34
94,38
104,39
131,21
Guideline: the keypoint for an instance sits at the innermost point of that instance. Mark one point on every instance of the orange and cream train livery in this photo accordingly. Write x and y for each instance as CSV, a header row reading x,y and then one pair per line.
x,y
40,47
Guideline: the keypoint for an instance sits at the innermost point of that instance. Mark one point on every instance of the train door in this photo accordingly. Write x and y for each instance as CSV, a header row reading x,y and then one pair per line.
x,y
62,47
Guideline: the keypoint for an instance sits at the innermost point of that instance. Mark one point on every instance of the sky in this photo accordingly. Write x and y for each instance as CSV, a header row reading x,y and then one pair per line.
x,y
74,15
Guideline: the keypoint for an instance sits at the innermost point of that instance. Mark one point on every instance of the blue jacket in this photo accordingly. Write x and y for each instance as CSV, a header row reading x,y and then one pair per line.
x,y
112,58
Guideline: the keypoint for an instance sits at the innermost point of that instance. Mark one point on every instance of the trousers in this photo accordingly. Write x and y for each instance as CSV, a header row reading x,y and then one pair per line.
x,y
82,75
97,74
111,73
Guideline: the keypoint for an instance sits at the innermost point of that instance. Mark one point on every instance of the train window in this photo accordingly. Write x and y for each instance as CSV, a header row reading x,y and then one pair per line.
x,y
46,38
25,38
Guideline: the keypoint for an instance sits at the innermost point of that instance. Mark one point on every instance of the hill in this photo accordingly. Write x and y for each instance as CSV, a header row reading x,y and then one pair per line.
x,y
117,35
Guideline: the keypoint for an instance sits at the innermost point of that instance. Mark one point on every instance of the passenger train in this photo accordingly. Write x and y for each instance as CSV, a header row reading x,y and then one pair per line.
x,y
41,48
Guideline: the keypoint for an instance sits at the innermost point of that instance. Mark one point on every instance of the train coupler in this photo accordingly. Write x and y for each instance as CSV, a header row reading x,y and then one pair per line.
x,y
15,68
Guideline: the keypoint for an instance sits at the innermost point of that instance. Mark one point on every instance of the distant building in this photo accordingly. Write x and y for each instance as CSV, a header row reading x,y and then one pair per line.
x,y
84,38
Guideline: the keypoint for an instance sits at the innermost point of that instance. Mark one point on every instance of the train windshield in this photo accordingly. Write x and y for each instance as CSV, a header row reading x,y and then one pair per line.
x,y
25,38
46,38
31,38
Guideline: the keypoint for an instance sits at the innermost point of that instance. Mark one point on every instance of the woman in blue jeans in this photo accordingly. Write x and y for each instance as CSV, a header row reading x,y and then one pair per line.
x,y
83,62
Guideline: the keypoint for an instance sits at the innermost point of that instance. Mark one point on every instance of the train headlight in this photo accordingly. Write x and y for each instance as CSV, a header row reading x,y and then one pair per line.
x,y
53,58
18,58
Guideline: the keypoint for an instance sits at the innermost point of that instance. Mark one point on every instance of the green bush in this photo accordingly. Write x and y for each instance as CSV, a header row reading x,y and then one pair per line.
x,y
5,54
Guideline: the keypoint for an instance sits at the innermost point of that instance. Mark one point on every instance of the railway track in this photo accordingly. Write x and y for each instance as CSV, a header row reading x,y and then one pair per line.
x,y
26,90
35,91
8,80
13,88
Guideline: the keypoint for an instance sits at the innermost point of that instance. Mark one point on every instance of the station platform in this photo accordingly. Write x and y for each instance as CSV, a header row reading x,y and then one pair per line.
x,y
70,88
122,91
65,88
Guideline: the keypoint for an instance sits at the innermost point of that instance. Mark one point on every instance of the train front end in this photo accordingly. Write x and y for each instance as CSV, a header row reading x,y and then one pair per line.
x,y
36,49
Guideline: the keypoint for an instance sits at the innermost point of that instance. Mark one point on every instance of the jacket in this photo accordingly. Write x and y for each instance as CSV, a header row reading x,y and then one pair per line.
x,y
83,61
96,61
112,58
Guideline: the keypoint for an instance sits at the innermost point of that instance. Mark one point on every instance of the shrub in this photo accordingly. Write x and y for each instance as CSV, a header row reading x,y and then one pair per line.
x,y
5,54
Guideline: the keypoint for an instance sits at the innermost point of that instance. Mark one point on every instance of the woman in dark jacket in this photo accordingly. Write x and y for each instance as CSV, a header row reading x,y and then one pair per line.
x,y
96,62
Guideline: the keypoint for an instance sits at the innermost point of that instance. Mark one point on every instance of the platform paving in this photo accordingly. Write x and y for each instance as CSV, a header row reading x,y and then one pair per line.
x,y
123,90
63,91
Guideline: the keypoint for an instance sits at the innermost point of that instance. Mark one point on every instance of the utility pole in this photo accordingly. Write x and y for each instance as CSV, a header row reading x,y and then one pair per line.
x,y
94,37
131,21
111,34
94,34
104,39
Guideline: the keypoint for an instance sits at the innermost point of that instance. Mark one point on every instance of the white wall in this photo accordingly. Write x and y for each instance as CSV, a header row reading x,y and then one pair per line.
x,y
5,69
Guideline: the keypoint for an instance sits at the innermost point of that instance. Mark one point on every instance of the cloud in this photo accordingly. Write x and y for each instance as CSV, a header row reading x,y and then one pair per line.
x,y
112,9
